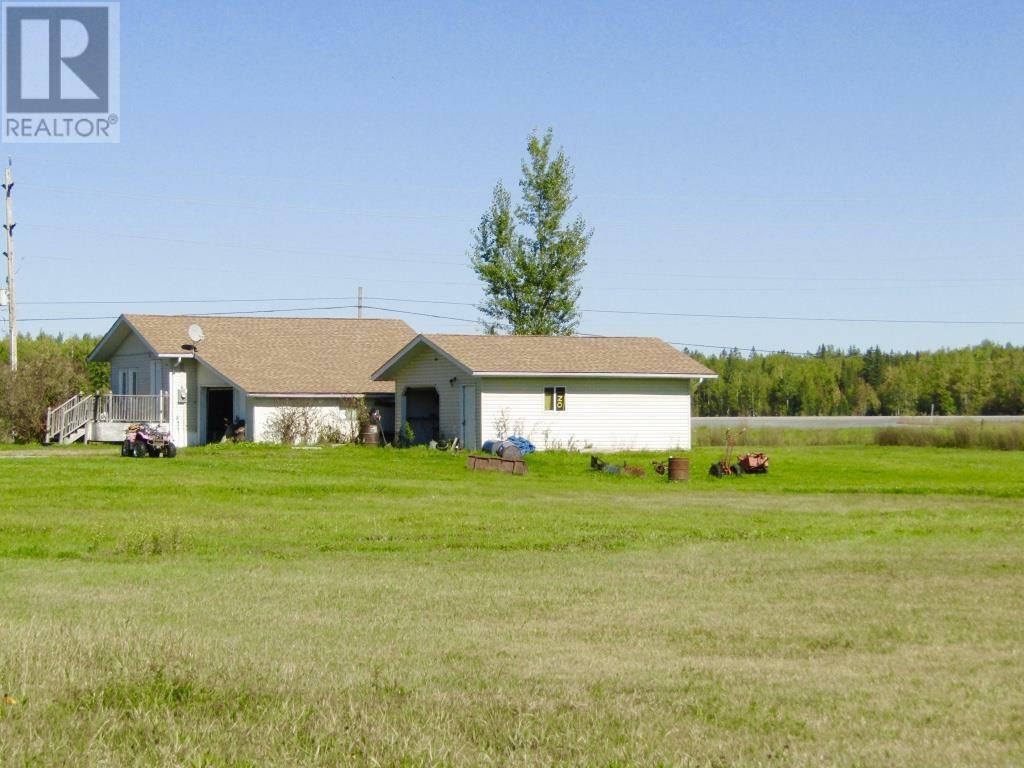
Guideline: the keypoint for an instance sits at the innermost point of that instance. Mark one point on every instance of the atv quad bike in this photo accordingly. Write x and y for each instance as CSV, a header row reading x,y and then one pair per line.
x,y
145,439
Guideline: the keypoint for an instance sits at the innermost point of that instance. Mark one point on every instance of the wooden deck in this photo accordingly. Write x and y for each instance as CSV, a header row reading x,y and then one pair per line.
x,y
103,417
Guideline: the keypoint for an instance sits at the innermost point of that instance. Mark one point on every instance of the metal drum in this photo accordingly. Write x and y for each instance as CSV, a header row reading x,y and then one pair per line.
x,y
678,469
370,435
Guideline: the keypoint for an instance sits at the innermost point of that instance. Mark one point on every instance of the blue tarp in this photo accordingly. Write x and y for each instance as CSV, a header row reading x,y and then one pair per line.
x,y
525,446
498,446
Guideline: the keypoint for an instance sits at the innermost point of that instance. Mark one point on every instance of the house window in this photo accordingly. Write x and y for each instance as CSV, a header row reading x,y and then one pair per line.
x,y
129,381
554,398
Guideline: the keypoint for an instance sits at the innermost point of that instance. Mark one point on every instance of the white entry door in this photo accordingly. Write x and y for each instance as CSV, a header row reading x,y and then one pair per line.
x,y
179,408
468,436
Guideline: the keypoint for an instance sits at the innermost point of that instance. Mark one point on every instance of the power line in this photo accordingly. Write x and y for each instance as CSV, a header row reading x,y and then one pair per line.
x,y
367,213
725,347
403,312
234,312
632,312
255,206
869,283
335,307
425,314
188,301
733,317
795,318
688,197
424,301
245,246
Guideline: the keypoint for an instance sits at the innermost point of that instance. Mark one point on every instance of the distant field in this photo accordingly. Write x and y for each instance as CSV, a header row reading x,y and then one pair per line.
x,y
859,605
1003,433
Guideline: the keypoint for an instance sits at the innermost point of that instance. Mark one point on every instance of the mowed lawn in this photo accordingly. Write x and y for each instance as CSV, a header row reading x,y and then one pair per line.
x,y
858,606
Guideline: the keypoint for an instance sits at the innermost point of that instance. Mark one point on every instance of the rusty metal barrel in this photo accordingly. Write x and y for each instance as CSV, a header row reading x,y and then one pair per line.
x,y
678,469
370,434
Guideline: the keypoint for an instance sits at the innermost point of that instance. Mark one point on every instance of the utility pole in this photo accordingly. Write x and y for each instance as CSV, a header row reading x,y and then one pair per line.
x,y
12,318
359,303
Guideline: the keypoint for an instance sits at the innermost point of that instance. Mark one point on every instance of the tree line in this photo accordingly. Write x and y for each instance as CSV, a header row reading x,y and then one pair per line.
x,y
984,379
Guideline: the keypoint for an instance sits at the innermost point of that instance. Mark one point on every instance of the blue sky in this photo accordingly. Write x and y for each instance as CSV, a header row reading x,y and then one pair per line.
x,y
854,160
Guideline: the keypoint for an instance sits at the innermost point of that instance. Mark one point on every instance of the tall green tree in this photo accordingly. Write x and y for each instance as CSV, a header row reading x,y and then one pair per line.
x,y
528,260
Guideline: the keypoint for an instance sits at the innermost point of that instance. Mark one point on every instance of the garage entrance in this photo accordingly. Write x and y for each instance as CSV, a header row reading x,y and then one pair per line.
x,y
423,412
220,411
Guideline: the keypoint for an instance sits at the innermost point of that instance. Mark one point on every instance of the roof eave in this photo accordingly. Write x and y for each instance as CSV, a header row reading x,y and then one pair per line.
x,y
600,375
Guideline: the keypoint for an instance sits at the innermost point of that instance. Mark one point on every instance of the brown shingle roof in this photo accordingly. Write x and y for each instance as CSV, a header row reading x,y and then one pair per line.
x,y
569,354
290,355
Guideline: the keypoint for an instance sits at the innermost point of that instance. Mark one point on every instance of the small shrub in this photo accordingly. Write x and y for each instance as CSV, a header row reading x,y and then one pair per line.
x,y
408,436
501,424
289,426
505,427
362,413
332,434
305,425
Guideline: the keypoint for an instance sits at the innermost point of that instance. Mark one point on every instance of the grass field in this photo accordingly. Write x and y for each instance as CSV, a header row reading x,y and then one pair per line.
x,y
858,606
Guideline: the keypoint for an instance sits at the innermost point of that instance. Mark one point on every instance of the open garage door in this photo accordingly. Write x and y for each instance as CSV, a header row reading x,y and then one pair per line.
x,y
423,412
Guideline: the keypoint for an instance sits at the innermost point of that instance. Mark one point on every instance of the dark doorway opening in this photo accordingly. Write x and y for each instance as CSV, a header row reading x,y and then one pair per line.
x,y
386,406
220,410
423,412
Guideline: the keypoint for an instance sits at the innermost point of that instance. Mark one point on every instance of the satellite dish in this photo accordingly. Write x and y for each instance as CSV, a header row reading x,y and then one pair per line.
x,y
195,333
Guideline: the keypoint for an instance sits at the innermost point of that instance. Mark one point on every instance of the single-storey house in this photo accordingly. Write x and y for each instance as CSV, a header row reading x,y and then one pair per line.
x,y
600,393
243,368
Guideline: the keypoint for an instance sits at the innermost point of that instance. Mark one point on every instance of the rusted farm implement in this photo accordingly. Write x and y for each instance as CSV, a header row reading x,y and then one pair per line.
x,y
748,463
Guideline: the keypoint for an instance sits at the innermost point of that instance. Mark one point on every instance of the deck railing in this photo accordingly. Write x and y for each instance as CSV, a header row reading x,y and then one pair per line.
x,y
131,408
69,417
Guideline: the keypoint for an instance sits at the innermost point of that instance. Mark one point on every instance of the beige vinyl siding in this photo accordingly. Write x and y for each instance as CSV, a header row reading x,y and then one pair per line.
x,y
426,368
605,414
329,412
132,355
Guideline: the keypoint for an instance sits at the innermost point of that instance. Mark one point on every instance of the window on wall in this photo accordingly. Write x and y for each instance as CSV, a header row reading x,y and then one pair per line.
x,y
129,381
554,398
